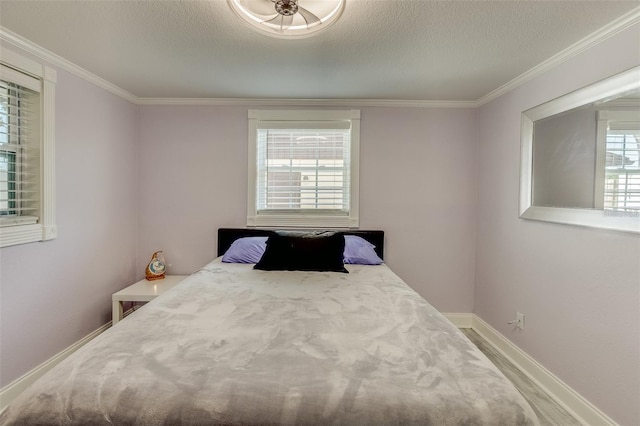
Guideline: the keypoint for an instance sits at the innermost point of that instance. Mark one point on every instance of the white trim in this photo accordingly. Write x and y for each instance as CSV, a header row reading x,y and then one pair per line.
x,y
354,179
608,88
526,164
48,148
18,220
624,103
13,389
585,412
303,115
601,219
595,38
618,115
601,160
26,65
24,79
343,103
301,221
460,320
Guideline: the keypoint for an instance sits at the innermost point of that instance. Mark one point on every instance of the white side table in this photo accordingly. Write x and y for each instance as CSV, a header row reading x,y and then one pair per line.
x,y
142,291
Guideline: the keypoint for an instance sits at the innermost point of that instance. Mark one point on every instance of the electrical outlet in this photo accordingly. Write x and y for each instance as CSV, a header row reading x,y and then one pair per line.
x,y
520,320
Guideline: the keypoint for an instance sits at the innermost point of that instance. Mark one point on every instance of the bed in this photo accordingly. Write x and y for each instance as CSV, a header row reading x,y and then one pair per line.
x,y
236,345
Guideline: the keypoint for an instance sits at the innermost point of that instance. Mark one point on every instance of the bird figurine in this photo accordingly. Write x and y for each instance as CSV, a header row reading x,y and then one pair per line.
x,y
156,267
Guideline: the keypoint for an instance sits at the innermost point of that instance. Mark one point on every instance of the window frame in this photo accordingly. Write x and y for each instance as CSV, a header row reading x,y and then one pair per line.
x,y
14,230
303,219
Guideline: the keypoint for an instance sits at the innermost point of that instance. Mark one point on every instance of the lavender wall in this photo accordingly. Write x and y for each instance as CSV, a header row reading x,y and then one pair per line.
x,y
579,288
56,292
417,183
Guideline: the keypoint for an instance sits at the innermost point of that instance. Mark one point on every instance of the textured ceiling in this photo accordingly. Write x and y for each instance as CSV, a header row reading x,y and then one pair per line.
x,y
378,49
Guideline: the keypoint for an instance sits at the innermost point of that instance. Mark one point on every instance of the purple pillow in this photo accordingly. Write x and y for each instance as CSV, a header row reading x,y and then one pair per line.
x,y
245,250
359,251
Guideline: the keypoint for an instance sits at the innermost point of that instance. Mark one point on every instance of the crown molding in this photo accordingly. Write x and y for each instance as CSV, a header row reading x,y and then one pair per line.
x,y
609,30
307,102
625,21
28,46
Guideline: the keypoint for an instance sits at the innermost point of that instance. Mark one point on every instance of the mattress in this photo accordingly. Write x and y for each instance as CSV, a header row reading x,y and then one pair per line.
x,y
233,345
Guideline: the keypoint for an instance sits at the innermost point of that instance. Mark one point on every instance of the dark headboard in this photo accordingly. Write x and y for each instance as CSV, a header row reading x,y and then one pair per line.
x,y
226,236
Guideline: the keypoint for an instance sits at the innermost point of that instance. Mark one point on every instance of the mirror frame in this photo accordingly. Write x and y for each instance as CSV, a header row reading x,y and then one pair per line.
x,y
600,91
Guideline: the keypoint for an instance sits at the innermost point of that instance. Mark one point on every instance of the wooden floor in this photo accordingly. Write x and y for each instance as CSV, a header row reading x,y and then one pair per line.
x,y
548,411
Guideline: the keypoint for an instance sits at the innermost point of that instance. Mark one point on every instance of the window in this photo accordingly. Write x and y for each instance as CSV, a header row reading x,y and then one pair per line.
x,y
622,177
619,161
26,150
303,168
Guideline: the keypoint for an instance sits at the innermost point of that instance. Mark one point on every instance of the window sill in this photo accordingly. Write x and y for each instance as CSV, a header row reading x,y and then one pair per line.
x,y
17,220
306,221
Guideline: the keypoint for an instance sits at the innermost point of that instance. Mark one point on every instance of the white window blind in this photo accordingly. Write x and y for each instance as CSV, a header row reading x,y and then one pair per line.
x,y
622,169
304,170
19,148
27,150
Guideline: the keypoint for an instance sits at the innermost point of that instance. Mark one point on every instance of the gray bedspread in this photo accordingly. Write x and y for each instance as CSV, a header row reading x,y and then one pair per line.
x,y
231,345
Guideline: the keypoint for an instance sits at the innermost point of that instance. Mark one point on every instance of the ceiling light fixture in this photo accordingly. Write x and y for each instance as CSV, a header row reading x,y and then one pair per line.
x,y
288,18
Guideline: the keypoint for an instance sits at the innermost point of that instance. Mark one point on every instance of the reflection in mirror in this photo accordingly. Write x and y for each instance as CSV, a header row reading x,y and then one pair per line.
x,y
581,156
588,157
617,185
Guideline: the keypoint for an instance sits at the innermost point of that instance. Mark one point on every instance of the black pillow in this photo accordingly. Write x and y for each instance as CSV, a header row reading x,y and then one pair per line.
x,y
303,251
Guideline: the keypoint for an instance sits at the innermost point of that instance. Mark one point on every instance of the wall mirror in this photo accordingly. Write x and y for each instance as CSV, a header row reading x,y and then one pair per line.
x,y
580,161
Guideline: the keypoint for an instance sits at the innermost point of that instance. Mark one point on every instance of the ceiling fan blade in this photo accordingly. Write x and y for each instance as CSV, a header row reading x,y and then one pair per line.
x,y
286,22
280,22
309,17
273,20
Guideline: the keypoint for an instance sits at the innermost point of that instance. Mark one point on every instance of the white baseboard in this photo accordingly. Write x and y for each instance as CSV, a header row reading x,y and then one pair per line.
x,y
585,412
460,320
13,389
569,399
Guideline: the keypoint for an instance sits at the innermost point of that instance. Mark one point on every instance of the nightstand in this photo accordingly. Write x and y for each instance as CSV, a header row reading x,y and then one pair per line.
x,y
142,291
